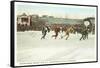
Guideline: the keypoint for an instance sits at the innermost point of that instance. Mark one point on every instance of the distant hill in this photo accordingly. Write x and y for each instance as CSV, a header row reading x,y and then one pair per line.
x,y
52,20
62,21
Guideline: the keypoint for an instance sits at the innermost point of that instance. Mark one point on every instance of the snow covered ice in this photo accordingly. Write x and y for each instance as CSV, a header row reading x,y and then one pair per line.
x,y
31,50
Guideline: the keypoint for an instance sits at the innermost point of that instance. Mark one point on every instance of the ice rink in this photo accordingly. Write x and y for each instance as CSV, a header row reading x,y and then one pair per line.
x,y
31,50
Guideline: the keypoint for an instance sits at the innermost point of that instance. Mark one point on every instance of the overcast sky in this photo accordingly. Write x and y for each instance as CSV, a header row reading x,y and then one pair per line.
x,y
65,11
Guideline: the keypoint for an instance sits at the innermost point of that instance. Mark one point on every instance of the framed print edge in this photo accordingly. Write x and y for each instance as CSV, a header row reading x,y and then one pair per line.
x,y
12,34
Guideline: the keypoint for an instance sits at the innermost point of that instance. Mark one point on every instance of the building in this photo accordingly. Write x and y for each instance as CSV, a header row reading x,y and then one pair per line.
x,y
23,19
29,22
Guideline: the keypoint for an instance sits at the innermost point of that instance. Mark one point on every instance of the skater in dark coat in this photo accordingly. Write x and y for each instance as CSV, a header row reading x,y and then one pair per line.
x,y
84,34
45,29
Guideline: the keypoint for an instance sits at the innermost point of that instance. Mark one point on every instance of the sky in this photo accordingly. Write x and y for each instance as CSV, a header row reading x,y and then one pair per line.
x,y
64,11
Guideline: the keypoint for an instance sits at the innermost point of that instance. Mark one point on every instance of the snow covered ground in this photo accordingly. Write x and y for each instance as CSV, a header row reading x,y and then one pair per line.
x,y
31,50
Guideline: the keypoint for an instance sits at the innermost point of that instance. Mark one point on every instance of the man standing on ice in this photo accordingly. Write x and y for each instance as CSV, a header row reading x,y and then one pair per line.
x,y
45,29
84,33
